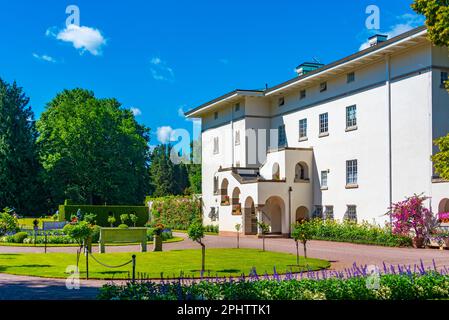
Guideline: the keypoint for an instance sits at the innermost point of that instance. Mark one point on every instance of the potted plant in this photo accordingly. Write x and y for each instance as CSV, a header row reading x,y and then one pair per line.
x,y
225,201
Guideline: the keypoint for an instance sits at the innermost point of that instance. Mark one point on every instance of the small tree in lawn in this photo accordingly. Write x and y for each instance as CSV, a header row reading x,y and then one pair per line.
x,y
196,233
124,217
237,228
134,219
264,228
111,221
80,231
301,232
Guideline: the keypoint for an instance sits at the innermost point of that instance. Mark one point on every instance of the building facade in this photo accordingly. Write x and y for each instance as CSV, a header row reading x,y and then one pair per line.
x,y
339,141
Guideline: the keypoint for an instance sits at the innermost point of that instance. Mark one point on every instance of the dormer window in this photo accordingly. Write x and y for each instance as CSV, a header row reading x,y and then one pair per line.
x,y
281,101
350,77
237,107
323,86
302,94
216,115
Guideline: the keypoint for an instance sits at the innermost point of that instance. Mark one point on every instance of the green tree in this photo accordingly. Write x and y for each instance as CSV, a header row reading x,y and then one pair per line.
x,y
19,165
194,171
441,159
196,233
93,151
81,232
264,228
161,172
301,232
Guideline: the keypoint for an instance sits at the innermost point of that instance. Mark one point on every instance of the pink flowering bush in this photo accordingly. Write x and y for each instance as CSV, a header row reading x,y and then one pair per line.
x,y
443,216
412,217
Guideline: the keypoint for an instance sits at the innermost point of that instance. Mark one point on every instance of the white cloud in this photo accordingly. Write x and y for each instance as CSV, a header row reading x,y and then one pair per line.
x,y
406,22
44,57
136,111
181,111
165,134
82,38
160,71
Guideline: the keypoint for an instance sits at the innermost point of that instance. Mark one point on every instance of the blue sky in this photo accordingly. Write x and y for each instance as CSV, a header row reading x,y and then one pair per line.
x,y
162,57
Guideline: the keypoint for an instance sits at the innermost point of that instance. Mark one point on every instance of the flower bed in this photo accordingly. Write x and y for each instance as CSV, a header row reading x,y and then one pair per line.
x,y
399,283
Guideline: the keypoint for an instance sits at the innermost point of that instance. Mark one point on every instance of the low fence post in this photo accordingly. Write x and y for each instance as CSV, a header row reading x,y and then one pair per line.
x,y
86,248
134,268
45,242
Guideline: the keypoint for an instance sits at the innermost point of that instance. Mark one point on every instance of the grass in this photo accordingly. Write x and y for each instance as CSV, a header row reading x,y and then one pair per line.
x,y
27,223
219,262
9,244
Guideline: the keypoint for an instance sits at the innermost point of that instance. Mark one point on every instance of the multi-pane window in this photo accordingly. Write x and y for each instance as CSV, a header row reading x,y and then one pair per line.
x,y
444,78
351,213
215,185
350,77
351,172
282,139
237,137
324,179
324,123
281,101
302,128
329,213
302,94
237,107
216,115
323,86
318,212
216,145
351,116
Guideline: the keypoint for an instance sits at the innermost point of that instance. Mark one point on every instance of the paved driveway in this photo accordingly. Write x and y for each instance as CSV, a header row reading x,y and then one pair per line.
x,y
342,255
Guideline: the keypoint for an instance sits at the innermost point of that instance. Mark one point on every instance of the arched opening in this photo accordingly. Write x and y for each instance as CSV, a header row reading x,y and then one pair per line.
x,y
301,171
443,206
302,214
250,217
276,172
224,192
273,213
236,206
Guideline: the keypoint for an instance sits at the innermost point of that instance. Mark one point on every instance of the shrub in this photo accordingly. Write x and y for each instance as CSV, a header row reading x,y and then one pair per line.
x,y
95,234
111,220
165,234
211,229
124,217
175,212
7,222
20,236
123,226
90,218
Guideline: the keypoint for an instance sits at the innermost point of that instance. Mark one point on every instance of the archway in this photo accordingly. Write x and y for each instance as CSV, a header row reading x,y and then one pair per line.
x,y
273,214
236,206
443,206
224,191
276,172
301,171
250,217
302,214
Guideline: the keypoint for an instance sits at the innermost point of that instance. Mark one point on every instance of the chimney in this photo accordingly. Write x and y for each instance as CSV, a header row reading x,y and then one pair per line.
x,y
307,67
376,39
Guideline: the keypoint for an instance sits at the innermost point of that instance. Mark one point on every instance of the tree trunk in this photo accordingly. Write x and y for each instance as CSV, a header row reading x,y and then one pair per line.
x,y
305,250
297,253
203,257
238,240
263,242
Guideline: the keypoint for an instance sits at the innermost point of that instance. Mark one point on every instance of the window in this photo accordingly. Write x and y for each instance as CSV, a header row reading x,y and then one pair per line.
x,y
351,117
302,94
216,145
329,213
281,101
282,139
302,129
237,137
351,172
215,185
324,179
216,115
351,213
301,172
444,78
318,212
237,107
213,214
323,86
350,77
324,123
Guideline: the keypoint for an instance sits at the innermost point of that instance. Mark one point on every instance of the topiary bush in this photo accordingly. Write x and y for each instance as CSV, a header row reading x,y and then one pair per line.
x,y
123,226
20,236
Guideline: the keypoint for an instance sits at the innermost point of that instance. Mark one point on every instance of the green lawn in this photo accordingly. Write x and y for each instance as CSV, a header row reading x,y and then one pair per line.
x,y
221,262
9,244
27,223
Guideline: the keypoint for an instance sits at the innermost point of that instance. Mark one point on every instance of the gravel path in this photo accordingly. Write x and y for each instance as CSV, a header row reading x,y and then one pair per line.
x,y
342,255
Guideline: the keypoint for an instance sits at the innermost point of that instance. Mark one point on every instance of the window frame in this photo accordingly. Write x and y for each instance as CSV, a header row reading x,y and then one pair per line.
x,y
323,86
302,94
350,77
324,124
351,215
216,145
322,184
281,101
281,129
237,107
215,115
352,171
237,135
302,129
351,124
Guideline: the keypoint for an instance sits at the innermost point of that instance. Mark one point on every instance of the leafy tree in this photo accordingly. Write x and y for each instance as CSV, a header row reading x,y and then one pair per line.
x,y
134,218
19,165
238,226
7,222
81,232
301,232
124,217
196,233
161,172
264,228
441,159
93,151
90,218
111,221
194,171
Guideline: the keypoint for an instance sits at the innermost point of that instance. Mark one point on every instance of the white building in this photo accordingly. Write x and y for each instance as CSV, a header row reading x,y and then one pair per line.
x,y
343,140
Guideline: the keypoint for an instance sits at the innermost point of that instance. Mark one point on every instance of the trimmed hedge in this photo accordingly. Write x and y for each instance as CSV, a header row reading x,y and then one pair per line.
x,y
175,212
103,212
390,287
